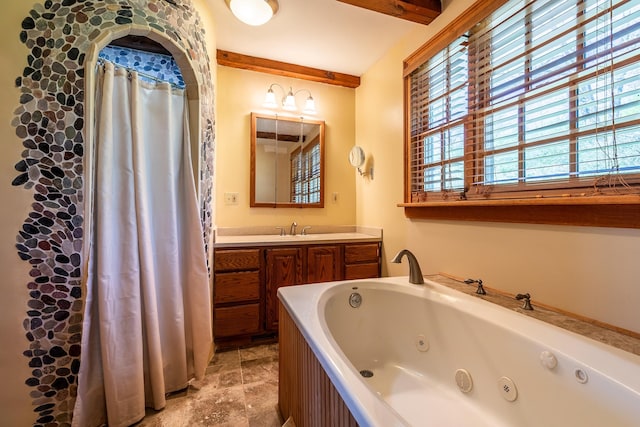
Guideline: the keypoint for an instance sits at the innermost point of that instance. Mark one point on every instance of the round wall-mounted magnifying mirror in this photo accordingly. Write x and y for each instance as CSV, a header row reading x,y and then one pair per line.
x,y
356,156
357,160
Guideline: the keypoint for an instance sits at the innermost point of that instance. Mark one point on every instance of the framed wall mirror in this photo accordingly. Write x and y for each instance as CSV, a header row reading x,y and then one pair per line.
x,y
287,162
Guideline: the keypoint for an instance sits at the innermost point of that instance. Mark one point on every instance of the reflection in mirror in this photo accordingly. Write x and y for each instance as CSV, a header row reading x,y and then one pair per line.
x,y
287,162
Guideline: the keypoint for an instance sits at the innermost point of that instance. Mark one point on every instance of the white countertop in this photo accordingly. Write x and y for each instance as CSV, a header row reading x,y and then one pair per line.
x,y
236,238
277,240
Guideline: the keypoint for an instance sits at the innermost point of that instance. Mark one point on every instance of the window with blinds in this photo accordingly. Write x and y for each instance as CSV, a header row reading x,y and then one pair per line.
x,y
540,98
305,174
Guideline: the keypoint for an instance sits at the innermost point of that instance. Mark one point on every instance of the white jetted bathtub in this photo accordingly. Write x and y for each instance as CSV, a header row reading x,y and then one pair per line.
x,y
427,355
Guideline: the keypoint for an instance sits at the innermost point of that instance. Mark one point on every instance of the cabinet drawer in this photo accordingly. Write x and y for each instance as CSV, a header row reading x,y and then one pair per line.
x,y
238,320
361,271
236,287
240,259
360,253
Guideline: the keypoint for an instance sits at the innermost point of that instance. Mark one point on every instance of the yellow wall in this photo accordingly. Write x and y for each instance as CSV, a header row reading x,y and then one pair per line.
x,y
14,394
590,271
240,92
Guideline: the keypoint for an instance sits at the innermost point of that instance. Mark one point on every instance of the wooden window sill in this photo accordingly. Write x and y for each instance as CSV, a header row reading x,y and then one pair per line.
x,y
605,211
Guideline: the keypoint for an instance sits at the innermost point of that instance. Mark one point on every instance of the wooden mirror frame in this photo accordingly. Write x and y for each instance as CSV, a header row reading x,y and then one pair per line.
x,y
252,194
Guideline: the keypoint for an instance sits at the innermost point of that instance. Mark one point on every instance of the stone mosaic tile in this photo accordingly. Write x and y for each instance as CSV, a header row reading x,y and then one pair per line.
x,y
49,121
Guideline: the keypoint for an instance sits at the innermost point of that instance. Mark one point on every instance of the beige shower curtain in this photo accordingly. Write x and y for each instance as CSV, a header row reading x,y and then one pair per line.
x,y
147,324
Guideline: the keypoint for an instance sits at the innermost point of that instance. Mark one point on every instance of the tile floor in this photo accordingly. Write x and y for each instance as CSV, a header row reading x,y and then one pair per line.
x,y
240,389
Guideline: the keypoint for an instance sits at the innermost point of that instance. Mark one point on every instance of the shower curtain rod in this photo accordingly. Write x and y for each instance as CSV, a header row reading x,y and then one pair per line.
x,y
101,62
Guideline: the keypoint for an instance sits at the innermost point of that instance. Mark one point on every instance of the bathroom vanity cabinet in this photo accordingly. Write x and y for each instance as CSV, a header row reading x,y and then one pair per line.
x,y
247,278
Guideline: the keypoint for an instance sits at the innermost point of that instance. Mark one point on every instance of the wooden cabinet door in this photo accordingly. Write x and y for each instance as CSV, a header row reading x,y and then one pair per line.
x,y
323,264
284,268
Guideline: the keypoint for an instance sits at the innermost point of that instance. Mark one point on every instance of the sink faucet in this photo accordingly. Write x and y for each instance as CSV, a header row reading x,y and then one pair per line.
x,y
292,230
415,274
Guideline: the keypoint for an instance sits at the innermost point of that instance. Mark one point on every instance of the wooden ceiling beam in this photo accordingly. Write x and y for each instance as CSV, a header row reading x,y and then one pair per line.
x,y
140,43
246,62
279,137
420,11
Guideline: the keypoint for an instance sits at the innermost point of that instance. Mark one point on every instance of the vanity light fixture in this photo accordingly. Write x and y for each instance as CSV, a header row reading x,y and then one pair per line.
x,y
289,100
253,12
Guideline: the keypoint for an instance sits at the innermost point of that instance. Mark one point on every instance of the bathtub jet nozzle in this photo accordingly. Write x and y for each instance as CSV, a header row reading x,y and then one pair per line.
x,y
415,274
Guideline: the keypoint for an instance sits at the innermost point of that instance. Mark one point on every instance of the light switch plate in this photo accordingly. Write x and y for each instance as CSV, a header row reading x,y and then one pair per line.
x,y
231,198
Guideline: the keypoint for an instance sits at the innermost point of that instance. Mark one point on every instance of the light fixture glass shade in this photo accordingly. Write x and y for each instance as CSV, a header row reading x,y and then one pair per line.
x,y
289,102
309,106
252,12
270,99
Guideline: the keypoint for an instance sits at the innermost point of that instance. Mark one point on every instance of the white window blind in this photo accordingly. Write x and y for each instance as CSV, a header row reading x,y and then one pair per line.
x,y
542,97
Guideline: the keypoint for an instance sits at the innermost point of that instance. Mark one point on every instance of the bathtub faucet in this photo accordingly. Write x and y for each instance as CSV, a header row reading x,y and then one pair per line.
x,y
480,290
415,274
527,301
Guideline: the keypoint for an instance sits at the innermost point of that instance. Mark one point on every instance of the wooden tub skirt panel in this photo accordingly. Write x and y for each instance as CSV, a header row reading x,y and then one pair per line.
x,y
305,392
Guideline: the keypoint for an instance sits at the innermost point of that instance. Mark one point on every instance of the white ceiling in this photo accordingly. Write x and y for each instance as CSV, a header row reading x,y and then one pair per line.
x,y
324,34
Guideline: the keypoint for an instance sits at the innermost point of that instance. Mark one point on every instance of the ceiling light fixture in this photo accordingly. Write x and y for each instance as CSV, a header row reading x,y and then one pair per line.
x,y
253,12
289,100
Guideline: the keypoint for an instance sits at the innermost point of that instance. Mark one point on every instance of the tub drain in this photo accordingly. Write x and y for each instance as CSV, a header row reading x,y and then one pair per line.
x,y
366,373
355,299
